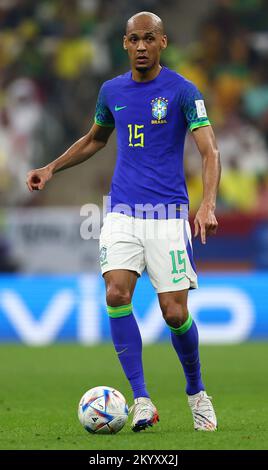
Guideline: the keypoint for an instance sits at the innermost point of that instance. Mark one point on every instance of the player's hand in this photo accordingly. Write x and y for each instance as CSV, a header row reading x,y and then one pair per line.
x,y
205,223
36,179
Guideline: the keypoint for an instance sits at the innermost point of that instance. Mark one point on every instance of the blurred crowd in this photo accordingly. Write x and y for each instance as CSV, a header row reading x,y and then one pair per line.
x,y
229,63
54,55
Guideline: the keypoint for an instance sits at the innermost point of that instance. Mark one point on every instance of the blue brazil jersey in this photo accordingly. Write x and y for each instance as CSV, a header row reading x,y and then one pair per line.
x,y
151,119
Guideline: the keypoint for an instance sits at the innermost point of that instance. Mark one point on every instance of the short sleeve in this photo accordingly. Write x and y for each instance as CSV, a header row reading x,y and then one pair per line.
x,y
193,107
103,115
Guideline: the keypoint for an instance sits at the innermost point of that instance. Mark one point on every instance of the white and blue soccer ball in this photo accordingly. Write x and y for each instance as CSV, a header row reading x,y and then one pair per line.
x,y
103,410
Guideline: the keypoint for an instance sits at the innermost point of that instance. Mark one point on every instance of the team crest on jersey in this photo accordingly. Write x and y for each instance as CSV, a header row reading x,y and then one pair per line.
x,y
159,110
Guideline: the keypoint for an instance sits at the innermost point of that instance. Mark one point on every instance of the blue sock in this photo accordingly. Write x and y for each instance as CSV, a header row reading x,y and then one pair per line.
x,y
185,342
128,345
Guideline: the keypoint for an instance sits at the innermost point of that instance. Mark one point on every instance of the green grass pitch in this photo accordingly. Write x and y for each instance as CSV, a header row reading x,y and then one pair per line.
x,y
41,388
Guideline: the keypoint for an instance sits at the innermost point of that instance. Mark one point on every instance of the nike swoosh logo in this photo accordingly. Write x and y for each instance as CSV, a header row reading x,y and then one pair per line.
x,y
177,280
123,350
118,108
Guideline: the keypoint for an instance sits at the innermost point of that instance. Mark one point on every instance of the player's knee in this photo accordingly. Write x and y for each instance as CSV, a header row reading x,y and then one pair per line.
x,y
174,314
117,296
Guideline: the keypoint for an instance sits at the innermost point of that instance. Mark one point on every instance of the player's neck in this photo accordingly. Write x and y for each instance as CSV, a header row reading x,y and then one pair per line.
x,y
146,76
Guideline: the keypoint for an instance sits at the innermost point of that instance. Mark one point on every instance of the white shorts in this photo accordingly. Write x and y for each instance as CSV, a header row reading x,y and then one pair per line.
x,y
163,247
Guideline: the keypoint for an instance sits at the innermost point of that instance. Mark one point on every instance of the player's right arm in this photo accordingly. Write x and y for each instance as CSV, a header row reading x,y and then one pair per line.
x,y
82,149
79,152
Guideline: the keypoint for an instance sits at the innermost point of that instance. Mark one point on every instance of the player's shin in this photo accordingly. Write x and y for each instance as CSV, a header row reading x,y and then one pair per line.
x,y
185,342
128,345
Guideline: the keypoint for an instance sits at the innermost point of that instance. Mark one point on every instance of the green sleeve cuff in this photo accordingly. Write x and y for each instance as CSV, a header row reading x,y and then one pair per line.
x,y
195,125
103,124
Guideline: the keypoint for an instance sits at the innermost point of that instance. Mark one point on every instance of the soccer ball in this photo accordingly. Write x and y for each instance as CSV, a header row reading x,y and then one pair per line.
x,y
103,410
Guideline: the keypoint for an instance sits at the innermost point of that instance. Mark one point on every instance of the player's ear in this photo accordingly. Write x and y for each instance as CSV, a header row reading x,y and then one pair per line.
x,y
164,42
125,43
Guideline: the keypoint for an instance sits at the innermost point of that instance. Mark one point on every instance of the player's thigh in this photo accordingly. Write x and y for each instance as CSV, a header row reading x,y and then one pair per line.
x,y
175,301
120,285
120,248
169,257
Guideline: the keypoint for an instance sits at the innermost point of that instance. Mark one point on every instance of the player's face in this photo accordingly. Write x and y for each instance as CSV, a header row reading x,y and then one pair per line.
x,y
144,47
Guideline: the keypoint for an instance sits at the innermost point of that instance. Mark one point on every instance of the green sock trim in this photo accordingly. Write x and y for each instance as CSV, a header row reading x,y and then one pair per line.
x,y
183,328
122,311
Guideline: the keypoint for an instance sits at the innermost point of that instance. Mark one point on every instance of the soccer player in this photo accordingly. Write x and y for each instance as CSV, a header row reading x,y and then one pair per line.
x,y
151,107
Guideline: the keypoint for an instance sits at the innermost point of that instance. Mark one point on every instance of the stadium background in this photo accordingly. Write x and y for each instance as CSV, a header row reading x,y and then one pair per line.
x,y
54,55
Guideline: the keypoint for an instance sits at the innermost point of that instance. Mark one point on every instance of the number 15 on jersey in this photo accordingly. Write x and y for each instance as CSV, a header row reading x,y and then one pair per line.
x,y
136,138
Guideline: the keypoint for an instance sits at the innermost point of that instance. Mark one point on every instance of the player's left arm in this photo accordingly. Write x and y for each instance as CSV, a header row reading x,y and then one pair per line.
x,y
205,221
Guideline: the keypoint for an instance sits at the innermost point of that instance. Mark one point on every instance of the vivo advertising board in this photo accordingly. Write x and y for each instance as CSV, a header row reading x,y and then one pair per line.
x,y
39,310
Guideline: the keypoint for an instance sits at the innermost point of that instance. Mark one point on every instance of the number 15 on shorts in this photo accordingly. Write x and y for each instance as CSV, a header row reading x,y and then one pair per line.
x,y
178,264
